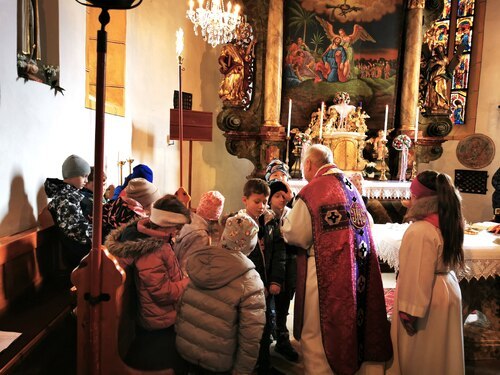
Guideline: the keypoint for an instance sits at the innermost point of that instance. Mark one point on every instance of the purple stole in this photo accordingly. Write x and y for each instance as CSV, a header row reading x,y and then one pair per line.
x,y
353,318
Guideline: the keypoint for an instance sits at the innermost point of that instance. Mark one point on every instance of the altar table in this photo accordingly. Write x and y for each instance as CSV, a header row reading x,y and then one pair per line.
x,y
371,188
482,250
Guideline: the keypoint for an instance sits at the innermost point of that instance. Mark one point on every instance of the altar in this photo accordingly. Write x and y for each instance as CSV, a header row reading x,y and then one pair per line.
x,y
478,283
482,250
371,188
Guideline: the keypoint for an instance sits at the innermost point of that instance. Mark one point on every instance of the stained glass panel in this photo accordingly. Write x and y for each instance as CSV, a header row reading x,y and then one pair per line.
x,y
458,102
464,33
465,8
446,10
442,30
461,73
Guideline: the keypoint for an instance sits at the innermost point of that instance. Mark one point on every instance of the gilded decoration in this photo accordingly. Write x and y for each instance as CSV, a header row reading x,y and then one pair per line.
x,y
342,128
237,64
416,4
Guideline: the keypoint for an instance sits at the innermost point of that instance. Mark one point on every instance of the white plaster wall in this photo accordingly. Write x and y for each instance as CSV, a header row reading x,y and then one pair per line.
x,y
39,130
152,79
478,207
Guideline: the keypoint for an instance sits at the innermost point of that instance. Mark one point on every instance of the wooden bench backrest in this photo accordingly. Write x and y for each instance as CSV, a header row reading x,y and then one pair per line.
x,y
116,318
26,258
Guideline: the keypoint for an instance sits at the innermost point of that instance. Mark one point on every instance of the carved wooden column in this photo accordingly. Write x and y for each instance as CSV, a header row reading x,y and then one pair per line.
x,y
273,64
271,133
411,69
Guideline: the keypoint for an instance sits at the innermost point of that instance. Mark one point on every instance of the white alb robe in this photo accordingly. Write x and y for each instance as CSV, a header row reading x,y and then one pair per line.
x,y
427,290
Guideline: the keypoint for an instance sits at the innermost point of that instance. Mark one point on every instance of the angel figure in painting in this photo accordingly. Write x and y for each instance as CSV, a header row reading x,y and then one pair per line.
x,y
346,41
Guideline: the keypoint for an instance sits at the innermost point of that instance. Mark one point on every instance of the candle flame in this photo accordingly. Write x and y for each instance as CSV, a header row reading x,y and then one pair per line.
x,y
179,44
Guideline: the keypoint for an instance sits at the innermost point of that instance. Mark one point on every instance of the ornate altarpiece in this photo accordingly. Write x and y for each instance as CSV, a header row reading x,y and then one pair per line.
x,y
253,130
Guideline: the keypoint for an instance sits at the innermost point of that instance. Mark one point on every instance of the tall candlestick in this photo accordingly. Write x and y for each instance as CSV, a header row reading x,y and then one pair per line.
x,y
289,117
321,120
385,121
416,126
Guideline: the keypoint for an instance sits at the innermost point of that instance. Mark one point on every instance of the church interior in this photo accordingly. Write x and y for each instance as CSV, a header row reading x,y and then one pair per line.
x,y
392,87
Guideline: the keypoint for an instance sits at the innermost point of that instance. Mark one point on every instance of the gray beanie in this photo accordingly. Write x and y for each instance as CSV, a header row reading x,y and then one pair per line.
x,y
75,166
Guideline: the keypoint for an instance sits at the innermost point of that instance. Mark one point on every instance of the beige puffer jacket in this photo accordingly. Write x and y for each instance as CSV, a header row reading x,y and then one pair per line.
x,y
221,315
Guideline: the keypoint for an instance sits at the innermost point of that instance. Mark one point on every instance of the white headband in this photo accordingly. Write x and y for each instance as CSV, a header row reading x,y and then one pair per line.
x,y
166,218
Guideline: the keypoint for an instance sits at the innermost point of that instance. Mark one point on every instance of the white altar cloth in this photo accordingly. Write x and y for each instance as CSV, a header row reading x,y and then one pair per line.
x,y
371,188
482,251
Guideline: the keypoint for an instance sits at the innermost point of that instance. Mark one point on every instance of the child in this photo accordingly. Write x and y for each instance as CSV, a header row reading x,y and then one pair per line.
x,y
146,246
222,313
426,328
88,192
277,170
202,229
134,204
268,257
278,200
140,170
66,209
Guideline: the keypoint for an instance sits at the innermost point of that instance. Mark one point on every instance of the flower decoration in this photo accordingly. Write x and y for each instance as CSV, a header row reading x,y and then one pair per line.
x,y
401,141
50,72
301,139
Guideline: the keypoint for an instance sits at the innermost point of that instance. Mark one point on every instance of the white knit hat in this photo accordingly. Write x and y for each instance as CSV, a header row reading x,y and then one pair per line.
x,y
142,191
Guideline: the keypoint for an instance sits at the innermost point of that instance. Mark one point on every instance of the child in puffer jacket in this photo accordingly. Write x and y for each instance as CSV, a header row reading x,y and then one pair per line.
x,y
145,247
221,315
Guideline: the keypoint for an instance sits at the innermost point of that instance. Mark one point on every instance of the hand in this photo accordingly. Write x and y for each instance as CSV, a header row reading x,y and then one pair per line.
x,y
288,194
409,322
495,229
274,289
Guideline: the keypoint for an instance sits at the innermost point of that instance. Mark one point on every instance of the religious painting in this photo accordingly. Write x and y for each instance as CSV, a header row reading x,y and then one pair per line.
x,y
351,46
38,42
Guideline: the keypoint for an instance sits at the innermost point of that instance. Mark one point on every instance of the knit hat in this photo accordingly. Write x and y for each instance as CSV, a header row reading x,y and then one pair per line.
x,y
142,191
275,186
240,233
357,180
276,165
75,166
142,170
211,205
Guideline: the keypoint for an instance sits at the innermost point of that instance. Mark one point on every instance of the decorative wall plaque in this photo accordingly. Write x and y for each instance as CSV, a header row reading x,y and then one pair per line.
x,y
476,151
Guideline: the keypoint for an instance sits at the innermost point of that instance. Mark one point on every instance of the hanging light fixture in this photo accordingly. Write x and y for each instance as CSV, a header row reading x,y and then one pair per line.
x,y
216,21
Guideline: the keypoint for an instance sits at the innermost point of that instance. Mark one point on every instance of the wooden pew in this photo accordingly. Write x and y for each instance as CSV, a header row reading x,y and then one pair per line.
x,y
33,297
117,318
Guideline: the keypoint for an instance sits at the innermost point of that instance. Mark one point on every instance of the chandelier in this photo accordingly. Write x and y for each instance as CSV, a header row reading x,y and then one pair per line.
x,y
217,25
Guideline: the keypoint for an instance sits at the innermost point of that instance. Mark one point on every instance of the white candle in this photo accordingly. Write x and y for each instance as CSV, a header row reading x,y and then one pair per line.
x,y
289,117
321,120
416,126
385,121
179,42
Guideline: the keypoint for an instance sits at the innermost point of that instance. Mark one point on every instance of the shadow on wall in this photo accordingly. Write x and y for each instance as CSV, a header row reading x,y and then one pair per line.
x,y
214,154
20,216
143,144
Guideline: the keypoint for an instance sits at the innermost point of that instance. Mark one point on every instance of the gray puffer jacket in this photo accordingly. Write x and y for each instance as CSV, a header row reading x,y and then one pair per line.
x,y
221,315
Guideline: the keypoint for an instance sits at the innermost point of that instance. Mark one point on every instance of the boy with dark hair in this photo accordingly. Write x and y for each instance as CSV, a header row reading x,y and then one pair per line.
x,y
268,257
278,199
66,209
